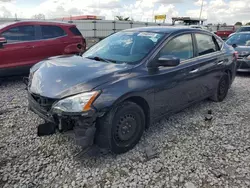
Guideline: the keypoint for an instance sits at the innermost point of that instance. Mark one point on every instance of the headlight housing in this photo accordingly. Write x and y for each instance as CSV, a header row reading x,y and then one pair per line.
x,y
248,57
78,103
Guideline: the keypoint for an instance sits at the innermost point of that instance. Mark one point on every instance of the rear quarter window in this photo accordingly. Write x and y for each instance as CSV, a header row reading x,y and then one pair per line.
x,y
75,31
50,31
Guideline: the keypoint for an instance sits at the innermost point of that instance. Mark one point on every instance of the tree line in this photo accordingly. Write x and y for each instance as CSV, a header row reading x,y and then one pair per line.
x,y
240,23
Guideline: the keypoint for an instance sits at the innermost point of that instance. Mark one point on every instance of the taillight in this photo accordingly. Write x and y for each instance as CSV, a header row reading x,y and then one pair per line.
x,y
84,43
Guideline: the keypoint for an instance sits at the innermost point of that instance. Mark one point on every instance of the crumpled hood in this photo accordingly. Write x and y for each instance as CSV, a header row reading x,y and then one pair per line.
x,y
62,76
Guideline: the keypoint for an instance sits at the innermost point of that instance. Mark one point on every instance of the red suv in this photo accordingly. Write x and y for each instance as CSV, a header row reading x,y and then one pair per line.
x,y
24,43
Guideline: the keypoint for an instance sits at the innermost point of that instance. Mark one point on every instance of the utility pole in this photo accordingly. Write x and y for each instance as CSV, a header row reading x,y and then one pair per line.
x,y
201,10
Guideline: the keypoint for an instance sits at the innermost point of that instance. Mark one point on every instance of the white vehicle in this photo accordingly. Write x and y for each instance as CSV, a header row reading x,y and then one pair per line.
x,y
199,27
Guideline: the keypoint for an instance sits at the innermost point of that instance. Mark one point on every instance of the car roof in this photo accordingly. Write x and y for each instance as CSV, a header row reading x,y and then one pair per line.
x,y
162,29
245,26
42,22
242,32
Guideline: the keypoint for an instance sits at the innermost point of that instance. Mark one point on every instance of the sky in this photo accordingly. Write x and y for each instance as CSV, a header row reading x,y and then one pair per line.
x,y
215,11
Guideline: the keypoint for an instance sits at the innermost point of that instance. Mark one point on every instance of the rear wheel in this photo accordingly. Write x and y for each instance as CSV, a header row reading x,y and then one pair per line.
x,y
222,88
121,129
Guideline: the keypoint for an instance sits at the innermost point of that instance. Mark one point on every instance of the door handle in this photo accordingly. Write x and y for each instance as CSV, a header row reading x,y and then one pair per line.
x,y
194,71
220,62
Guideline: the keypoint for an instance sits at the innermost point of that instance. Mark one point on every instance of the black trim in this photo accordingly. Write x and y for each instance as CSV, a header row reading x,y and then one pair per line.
x,y
195,46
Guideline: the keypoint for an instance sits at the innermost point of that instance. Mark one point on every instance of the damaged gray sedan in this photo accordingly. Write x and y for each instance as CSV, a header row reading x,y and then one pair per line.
x,y
116,89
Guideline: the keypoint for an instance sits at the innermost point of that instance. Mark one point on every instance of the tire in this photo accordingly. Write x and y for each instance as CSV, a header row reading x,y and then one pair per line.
x,y
222,89
121,128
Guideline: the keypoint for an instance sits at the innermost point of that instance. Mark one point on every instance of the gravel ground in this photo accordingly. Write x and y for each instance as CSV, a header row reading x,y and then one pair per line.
x,y
190,152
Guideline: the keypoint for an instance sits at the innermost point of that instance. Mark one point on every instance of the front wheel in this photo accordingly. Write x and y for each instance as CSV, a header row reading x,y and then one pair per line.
x,y
121,128
222,89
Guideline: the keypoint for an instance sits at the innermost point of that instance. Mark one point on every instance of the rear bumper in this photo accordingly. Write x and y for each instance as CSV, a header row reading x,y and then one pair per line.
x,y
81,128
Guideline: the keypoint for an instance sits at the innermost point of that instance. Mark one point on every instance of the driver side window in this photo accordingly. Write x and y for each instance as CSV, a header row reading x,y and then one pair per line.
x,y
20,34
180,47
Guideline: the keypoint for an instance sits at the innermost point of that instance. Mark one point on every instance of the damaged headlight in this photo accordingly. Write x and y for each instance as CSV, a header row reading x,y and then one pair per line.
x,y
78,103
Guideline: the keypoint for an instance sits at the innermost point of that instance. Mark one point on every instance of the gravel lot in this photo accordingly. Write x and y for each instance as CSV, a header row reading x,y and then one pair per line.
x,y
191,152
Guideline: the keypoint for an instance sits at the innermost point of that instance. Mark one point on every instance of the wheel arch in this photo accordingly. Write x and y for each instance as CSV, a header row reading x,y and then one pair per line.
x,y
138,99
230,74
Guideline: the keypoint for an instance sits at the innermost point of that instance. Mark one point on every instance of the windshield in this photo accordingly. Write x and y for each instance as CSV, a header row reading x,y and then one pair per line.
x,y
128,47
242,29
241,39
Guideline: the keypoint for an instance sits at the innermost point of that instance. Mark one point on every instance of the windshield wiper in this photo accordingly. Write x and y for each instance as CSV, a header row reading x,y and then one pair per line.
x,y
101,59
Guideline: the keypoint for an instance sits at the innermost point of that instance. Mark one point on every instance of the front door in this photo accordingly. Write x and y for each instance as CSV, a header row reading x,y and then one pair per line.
x,y
20,49
176,87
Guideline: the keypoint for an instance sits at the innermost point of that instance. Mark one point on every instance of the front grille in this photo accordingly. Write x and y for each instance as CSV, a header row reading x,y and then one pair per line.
x,y
44,102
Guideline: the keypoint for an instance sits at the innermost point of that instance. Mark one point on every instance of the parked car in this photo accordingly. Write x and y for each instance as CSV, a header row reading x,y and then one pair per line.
x,y
225,31
199,27
25,43
241,29
241,42
129,80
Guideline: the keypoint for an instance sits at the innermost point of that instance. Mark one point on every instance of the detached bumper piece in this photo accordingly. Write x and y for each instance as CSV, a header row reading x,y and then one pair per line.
x,y
80,127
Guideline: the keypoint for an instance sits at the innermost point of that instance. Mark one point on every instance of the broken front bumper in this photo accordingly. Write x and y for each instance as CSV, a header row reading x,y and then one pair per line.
x,y
81,126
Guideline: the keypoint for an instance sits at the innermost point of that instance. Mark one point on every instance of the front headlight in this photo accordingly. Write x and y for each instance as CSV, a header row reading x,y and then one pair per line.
x,y
248,57
78,103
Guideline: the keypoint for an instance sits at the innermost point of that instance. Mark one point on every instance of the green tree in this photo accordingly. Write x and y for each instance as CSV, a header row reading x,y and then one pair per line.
x,y
238,23
248,23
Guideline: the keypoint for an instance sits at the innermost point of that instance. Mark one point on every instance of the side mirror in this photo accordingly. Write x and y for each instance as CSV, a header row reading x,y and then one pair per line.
x,y
168,61
2,41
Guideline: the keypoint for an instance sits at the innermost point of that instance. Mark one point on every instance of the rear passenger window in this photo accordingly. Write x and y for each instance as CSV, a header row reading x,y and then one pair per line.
x,y
75,31
50,31
20,33
181,47
205,44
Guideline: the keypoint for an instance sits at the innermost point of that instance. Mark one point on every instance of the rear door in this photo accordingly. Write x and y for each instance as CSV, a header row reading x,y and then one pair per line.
x,y
51,37
20,49
211,60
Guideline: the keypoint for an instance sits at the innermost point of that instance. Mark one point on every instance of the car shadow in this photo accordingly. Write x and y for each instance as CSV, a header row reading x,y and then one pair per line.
x,y
4,81
243,74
